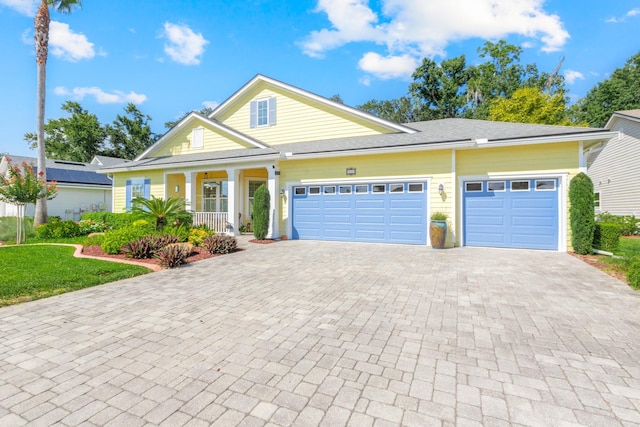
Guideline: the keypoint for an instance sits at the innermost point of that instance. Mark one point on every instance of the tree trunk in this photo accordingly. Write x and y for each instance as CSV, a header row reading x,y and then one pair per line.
x,y
42,21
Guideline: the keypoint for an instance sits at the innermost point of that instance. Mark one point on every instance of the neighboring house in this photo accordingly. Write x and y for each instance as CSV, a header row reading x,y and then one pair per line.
x,y
615,171
337,173
80,188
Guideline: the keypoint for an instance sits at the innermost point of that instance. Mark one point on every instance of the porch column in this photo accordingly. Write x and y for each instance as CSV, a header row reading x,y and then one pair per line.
x,y
273,185
190,191
233,201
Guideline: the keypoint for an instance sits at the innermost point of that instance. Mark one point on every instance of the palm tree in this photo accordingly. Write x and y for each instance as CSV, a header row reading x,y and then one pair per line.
x,y
41,24
158,210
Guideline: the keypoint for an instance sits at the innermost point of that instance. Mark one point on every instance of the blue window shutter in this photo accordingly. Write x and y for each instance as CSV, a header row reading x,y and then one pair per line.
x,y
253,114
147,188
272,111
127,196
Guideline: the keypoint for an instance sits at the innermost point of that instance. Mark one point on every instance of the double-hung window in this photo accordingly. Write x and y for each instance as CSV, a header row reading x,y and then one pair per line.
x,y
262,112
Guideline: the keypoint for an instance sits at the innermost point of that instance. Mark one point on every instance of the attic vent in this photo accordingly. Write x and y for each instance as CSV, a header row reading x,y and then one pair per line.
x,y
61,162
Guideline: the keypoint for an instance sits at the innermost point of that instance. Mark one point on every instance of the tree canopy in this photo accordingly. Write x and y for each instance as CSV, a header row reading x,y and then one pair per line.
x,y
618,92
80,136
530,105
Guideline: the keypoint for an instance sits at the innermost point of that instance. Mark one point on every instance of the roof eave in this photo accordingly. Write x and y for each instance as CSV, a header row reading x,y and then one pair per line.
x,y
590,136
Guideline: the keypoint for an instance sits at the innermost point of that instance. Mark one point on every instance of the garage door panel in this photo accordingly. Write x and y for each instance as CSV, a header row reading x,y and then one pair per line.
x,y
515,219
368,217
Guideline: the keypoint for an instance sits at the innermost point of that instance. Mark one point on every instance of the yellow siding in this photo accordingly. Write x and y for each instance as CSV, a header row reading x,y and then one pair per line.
x,y
120,185
213,140
562,157
297,119
434,164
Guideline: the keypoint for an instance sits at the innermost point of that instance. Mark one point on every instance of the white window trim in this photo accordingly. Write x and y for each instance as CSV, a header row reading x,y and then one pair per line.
x,y
396,192
299,187
373,186
324,189
504,186
528,181
246,187
361,192
315,194
466,190
421,184
345,186
258,101
535,188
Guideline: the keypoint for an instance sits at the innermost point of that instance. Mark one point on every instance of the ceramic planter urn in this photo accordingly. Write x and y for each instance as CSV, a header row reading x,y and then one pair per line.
x,y
438,233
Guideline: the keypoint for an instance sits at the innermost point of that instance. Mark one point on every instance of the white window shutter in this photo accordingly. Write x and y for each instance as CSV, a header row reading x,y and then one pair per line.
x,y
272,111
253,114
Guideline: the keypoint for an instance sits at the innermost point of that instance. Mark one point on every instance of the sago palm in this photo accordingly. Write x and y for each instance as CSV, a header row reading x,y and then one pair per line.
x,y
41,24
158,210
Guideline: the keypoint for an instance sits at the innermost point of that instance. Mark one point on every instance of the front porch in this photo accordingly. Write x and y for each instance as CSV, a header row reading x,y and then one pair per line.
x,y
223,199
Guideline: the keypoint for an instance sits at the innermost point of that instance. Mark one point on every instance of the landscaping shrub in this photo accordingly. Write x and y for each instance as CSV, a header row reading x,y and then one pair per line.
x,y
197,236
220,244
628,224
88,226
581,213
174,255
147,246
56,229
633,275
261,205
183,218
606,236
180,231
115,239
110,219
8,228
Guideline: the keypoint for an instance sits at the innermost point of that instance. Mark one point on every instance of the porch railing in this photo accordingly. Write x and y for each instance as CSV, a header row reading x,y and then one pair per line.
x,y
215,220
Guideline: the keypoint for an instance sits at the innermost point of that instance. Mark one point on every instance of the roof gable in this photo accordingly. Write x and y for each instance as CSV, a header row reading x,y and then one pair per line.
x,y
633,115
217,136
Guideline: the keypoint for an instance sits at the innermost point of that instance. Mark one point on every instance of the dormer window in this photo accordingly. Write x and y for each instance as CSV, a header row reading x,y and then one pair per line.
x,y
263,112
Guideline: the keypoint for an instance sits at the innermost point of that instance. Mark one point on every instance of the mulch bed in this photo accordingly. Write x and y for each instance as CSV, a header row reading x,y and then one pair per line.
x,y
262,242
95,250
597,262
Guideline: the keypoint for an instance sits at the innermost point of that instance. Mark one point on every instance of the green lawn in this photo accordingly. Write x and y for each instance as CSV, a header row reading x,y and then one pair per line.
x,y
628,250
30,272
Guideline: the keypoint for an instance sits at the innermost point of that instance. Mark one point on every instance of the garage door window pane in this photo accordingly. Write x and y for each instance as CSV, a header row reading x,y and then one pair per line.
x,y
396,188
519,185
495,186
362,189
330,189
416,188
300,191
314,190
378,188
545,184
344,189
471,187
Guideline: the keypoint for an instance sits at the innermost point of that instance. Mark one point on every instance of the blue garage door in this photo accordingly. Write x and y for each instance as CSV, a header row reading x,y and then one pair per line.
x,y
384,213
519,213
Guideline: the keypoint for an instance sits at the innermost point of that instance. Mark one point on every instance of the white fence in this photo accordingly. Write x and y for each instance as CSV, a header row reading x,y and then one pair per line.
x,y
215,220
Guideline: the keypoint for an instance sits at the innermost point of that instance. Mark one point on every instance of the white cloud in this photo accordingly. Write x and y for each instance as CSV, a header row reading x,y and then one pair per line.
x,y
365,81
388,67
68,45
634,12
420,28
630,14
183,45
25,7
102,97
570,76
211,104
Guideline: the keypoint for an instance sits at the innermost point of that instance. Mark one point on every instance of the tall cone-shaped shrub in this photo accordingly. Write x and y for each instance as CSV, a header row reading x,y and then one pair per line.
x,y
261,207
582,214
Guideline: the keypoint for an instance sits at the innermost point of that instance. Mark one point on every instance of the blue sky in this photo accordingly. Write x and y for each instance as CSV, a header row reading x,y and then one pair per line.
x,y
172,57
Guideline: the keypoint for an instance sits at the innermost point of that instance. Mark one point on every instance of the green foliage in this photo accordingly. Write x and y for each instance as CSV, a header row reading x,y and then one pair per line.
x,y
56,229
88,226
175,255
197,236
618,92
147,246
581,213
183,218
261,211
159,211
606,236
180,231
220,244
629,224
21,187
110,219
22,281
633,275
530,105
399,110
115,239
439,216
80,136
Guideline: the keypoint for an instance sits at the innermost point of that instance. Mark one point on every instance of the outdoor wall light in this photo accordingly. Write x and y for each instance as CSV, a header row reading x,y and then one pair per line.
x,y
282,190
441,188
177,188
351,171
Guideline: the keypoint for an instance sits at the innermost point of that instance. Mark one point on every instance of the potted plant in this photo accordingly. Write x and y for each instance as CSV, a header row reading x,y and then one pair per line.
x,y
438,229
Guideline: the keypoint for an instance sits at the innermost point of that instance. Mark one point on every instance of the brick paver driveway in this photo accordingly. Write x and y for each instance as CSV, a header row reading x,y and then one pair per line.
x,y
308,333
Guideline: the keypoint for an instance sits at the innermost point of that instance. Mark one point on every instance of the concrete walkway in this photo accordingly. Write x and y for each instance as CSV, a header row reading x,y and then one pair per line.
x,y
321,333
